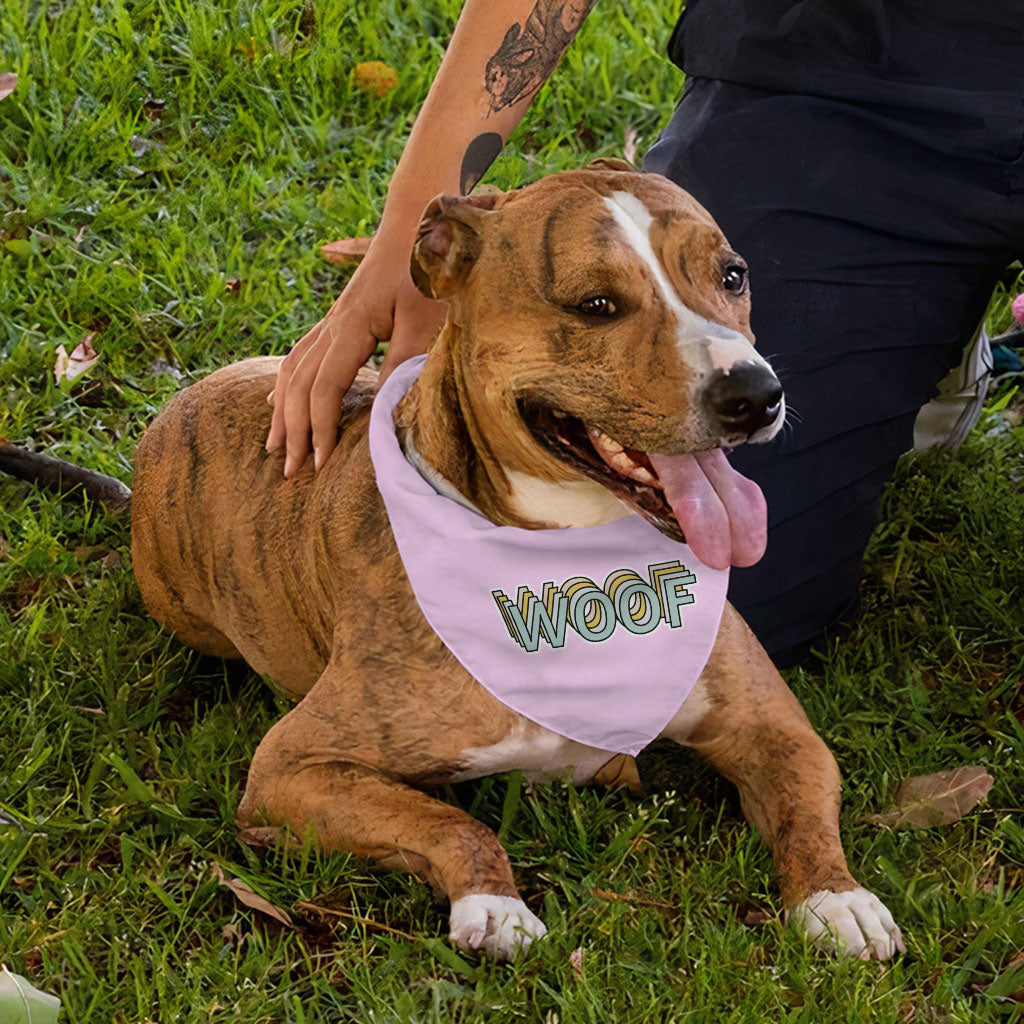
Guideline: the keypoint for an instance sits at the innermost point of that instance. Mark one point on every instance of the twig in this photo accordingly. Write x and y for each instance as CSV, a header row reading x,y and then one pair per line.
x,y
607,894
348,915
62,477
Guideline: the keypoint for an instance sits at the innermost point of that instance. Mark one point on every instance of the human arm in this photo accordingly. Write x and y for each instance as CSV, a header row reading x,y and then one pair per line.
x,y
499,56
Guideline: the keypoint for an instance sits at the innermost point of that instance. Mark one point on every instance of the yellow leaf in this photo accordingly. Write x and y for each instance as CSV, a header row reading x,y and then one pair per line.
x,y
375,76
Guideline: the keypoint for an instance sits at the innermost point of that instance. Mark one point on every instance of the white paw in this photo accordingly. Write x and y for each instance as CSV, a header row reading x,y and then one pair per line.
x,y
855,922
501,926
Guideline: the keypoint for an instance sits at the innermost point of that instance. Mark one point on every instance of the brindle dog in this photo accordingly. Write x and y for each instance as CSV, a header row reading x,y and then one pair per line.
x,y
574,345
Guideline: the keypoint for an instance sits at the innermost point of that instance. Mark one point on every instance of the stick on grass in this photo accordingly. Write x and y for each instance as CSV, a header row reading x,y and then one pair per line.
x,y
62,477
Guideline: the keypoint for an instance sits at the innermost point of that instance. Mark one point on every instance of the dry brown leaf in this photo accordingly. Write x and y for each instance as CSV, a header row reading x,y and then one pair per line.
x,y
755,917
153,108
8,81
244,894
374,76
576,961
249,50
346,250
112,560
936,799
629,149
68,367
260,835
86,553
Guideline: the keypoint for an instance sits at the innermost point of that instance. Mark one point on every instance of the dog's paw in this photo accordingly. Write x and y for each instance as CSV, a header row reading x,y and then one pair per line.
x,y
855,922
501,926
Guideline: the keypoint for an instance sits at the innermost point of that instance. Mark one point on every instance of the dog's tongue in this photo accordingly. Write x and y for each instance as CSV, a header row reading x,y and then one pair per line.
x,y
722,514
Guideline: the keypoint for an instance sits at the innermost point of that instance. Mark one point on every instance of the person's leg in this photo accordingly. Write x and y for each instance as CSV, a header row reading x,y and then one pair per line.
x,y
872,256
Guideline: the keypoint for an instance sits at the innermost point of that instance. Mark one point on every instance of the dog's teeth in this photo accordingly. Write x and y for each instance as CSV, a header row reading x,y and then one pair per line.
x,y
642,475
615,456
603,443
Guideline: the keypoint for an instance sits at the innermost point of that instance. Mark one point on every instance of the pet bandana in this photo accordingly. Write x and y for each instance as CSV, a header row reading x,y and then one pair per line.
x,y
598,633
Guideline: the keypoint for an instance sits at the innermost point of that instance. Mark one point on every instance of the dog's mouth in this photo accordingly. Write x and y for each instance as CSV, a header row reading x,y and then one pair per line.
x,y
696,497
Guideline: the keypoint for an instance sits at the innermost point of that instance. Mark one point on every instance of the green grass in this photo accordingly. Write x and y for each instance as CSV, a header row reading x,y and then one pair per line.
x,y
153,152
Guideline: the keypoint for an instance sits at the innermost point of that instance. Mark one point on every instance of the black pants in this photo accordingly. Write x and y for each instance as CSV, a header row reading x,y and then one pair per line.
x,y
874,237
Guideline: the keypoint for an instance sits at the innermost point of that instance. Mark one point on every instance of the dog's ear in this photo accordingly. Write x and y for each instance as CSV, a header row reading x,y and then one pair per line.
x,y
449,242
610,163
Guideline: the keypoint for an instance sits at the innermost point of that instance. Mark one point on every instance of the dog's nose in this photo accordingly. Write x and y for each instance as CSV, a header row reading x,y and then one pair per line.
x,y
745,399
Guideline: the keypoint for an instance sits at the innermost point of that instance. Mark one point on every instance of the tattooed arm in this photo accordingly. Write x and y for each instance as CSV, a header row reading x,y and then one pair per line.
x,y
500,54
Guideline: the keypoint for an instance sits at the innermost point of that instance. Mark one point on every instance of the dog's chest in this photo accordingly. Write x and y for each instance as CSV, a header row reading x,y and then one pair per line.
x,y
538,752
597,634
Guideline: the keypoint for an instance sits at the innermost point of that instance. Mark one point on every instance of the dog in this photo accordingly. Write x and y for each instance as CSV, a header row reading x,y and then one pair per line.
x,y
597,337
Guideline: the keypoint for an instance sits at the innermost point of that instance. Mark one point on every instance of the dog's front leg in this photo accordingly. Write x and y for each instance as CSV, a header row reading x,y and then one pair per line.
x,y
745,720
299,781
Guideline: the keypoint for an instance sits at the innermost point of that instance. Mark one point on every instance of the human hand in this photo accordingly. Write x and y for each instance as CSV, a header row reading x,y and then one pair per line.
x,y
380,303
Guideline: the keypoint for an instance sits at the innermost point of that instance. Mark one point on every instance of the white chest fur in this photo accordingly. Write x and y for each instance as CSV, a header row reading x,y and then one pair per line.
x,y
538,752
542,754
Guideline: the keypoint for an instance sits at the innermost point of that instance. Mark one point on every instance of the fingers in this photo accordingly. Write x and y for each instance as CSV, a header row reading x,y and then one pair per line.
x,y
313,379
334,377
276,435
316,387
314,376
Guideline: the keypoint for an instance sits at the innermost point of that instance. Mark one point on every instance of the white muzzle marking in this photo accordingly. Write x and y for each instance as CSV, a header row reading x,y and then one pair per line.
x,y
705,345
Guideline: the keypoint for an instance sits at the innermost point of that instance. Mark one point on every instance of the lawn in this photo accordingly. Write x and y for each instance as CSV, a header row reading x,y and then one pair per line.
x,y
168,169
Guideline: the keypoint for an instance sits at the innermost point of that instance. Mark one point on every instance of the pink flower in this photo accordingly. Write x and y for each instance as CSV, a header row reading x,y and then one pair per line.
x,y
1018,308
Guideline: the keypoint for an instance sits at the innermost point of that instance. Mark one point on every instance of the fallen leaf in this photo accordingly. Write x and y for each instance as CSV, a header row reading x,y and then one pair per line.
x,y
22,1003
629,150
139,145
68,367
259,835
163,366
755,917
86,553
346,250
4,547
112,560
152,108
8,81
1010,983
374,76
19,246
936,799
249,50
576,961
244,894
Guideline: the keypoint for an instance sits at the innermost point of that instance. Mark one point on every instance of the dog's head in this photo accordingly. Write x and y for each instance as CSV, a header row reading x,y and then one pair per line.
x,y
601,325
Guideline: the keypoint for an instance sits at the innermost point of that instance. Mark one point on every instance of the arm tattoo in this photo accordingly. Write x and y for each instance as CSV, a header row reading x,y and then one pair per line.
x,y
529,52
480,154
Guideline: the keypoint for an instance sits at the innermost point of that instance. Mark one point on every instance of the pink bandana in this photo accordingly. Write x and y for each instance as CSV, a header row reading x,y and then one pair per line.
x,y
598,633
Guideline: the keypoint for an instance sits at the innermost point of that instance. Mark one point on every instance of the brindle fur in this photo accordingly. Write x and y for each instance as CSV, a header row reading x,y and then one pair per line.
x,y
302,577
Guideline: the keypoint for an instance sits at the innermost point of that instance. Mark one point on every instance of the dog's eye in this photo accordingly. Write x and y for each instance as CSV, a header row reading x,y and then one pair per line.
x,y
734,278
597,305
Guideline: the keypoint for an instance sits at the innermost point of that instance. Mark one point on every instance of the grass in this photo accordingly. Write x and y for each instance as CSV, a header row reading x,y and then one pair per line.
x,y
167,169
